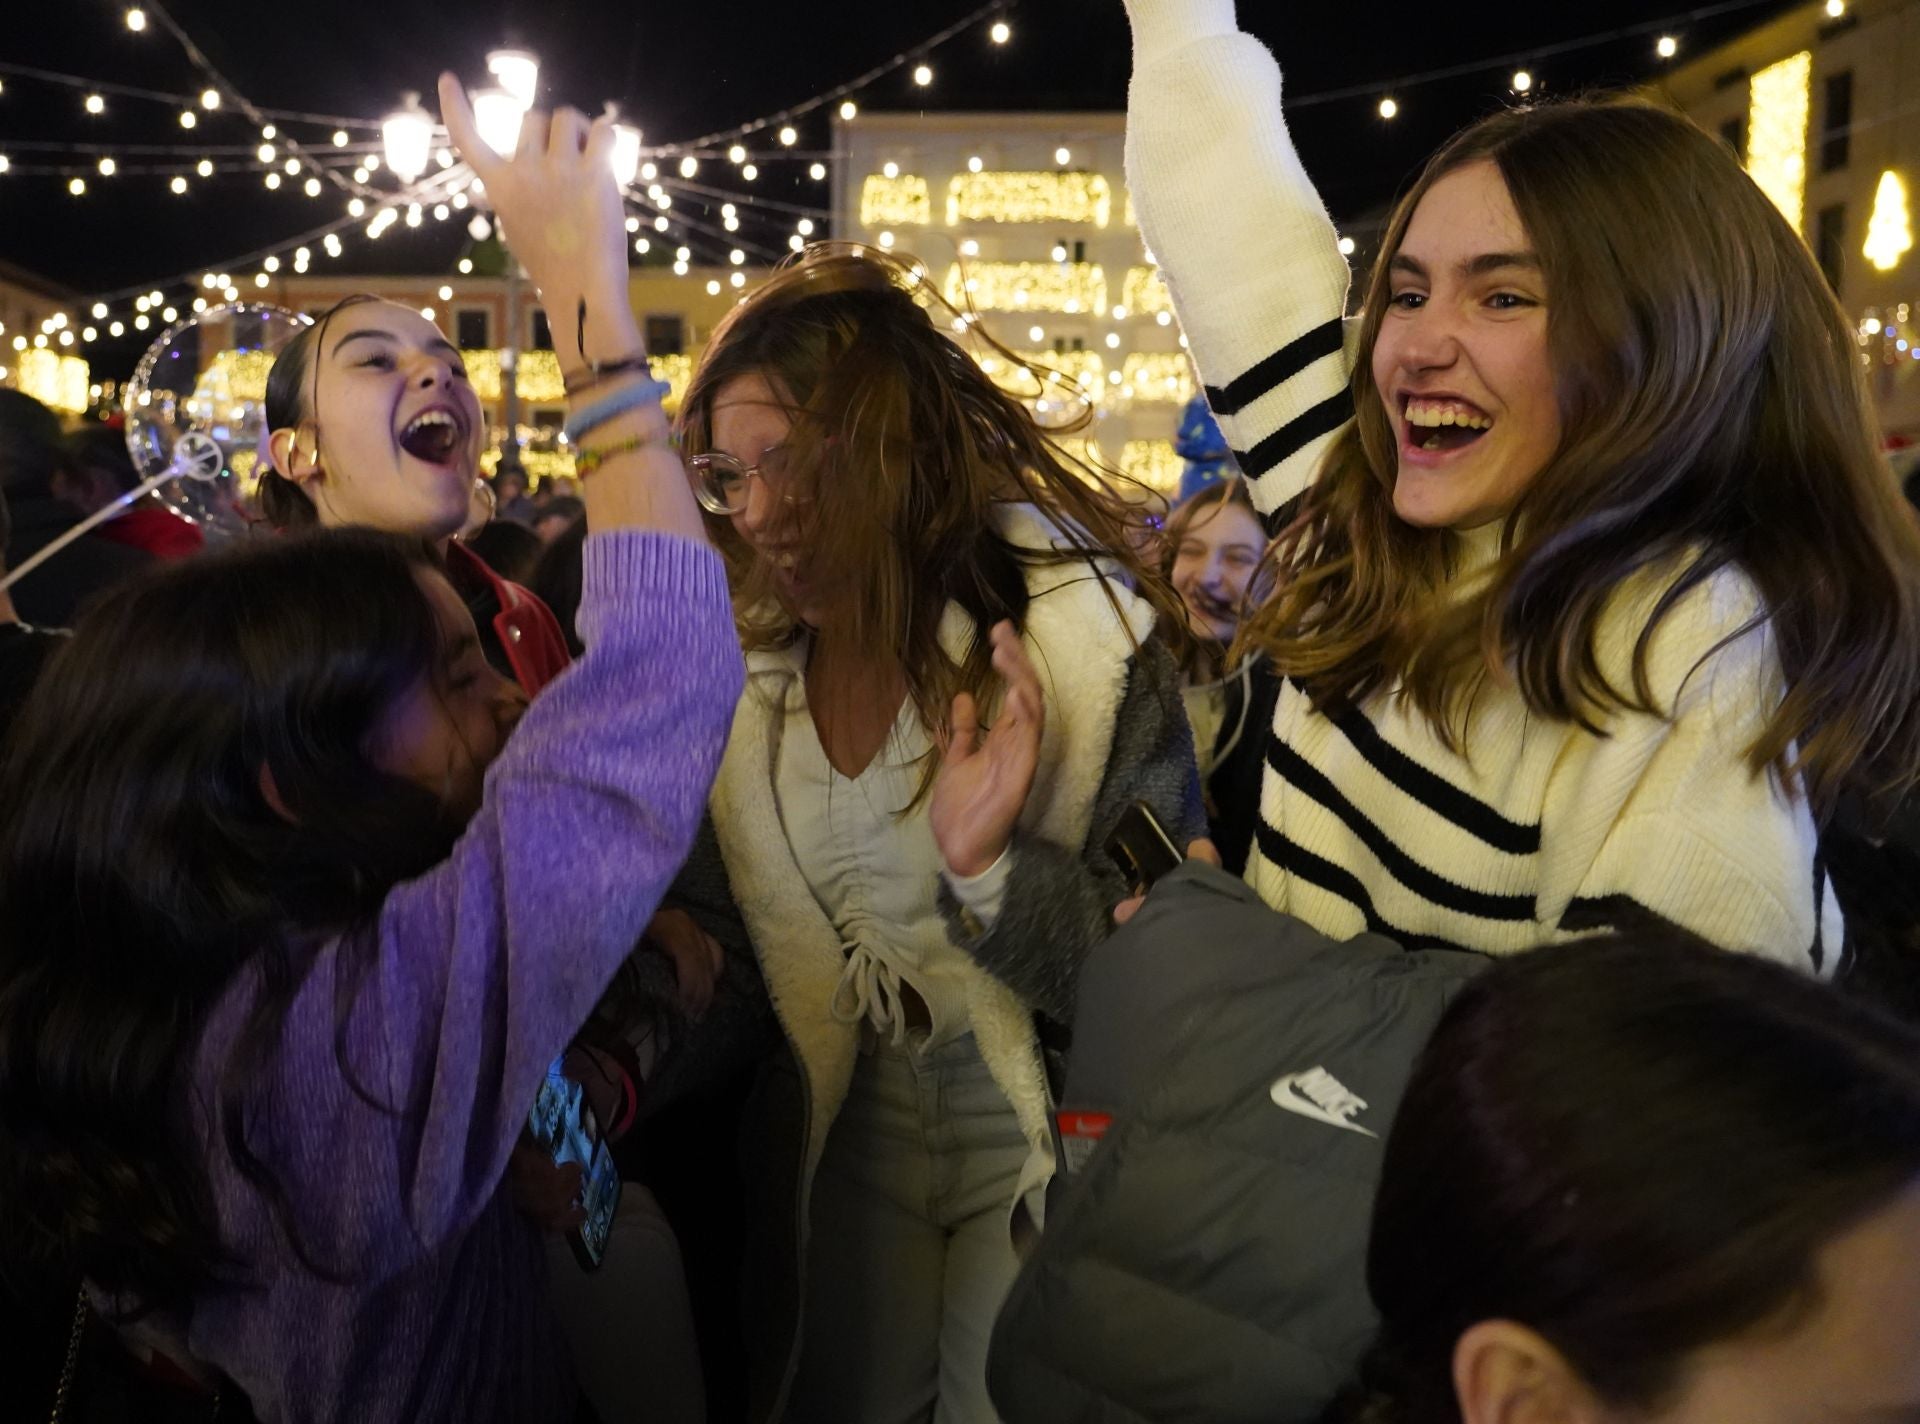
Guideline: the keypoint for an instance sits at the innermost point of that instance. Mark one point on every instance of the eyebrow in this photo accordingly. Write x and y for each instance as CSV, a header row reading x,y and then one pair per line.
x,y
438,344
1474,266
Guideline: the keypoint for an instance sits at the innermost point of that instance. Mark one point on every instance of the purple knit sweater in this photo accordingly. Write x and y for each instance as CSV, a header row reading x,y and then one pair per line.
x,y
479,972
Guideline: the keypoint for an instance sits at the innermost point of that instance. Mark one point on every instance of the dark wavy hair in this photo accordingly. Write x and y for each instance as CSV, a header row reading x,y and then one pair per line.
x,y
1713,416
142,867
1635,1146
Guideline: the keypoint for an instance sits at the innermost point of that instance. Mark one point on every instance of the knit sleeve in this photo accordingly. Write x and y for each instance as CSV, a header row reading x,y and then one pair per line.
x,y
1663,820
1249,254
482,969
1059,899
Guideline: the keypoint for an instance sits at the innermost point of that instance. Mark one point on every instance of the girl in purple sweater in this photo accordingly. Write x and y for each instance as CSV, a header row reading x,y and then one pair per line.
x,y
285,948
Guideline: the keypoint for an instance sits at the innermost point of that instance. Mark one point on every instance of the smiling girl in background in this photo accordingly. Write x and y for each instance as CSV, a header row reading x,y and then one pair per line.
x,y
1211,555
1605,596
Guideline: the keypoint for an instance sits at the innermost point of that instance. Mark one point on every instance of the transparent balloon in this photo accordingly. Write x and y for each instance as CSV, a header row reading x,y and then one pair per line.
x,y
196,409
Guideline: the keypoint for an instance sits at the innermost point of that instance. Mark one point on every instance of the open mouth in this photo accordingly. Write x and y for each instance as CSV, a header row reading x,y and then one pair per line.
x,y
1443,424
1209,607
434,435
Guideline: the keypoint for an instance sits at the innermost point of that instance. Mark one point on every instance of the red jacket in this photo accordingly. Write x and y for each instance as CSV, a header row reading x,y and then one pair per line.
x,y
528,631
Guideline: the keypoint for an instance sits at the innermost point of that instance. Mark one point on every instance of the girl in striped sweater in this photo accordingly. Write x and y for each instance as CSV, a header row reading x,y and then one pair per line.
x,y
1593,593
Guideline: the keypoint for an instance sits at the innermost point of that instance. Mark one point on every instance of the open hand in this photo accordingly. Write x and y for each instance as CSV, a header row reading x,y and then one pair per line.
x,y
982,786
563,213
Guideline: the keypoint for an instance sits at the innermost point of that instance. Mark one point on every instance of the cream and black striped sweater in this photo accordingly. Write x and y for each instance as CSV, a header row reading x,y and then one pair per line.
x,y
1536,830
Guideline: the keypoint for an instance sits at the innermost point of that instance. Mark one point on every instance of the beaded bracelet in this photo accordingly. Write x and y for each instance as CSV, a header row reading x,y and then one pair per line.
x,y
585,462
616,402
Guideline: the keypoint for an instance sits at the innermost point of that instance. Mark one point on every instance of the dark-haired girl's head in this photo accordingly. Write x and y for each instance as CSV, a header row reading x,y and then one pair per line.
x,y
1640,1179
373,423
232,758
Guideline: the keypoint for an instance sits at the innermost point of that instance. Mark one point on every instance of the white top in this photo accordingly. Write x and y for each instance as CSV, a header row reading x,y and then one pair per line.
x,y
877,873
1534,829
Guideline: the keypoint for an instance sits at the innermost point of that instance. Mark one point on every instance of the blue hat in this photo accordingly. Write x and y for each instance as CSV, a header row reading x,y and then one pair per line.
x,y
1201,444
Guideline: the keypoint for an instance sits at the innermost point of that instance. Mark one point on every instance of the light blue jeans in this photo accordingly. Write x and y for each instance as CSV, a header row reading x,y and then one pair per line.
x,y
910,1256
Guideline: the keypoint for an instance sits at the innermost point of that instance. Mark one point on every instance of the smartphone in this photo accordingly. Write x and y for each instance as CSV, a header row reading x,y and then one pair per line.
x,y
563,1123
1141,847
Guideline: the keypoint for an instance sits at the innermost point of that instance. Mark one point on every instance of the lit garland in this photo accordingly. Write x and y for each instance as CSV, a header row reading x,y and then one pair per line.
x,y
1028,286
1084,369
1045,196
1889,231
1159,376
1777,133
1145,292
52,379
540,465
895,202
539,376
1154,463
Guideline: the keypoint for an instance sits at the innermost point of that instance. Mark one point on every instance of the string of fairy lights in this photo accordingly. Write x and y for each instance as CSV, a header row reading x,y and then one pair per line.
x,y
693,203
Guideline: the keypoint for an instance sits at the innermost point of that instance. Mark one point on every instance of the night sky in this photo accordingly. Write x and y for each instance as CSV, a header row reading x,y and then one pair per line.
x,y
683,69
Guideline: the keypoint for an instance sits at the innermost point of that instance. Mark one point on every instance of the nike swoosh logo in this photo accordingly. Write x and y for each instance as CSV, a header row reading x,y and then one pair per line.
x,y
1286,1094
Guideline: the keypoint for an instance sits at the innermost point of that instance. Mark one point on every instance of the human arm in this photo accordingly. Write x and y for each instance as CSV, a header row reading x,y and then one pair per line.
x,y
1247,249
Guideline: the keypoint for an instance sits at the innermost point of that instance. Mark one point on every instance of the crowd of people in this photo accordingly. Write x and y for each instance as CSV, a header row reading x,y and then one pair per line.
x,y
1529,671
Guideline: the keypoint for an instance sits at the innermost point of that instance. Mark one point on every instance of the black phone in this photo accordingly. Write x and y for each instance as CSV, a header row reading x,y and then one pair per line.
x,y
563,1123
1141,847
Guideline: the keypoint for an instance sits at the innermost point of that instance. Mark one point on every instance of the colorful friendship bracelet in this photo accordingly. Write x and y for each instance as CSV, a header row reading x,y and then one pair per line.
x,y
617,402
585,462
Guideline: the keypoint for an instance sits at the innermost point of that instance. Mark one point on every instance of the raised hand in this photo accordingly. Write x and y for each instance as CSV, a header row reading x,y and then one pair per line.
x,y
982,786
562,213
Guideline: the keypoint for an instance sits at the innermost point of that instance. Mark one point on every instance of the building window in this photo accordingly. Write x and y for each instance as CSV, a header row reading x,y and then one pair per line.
x,y
473,329
666,334
542,338
1830,243
1733,133
1836,127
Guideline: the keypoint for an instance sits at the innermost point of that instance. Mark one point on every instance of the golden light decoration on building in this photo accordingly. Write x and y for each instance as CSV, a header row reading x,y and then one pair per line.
x,y
54,380
1154,463
1159,376
1027,286
1084,369
539,464
1889,230
539,376
1144,293
235,376
1777,132
1029,198
895,202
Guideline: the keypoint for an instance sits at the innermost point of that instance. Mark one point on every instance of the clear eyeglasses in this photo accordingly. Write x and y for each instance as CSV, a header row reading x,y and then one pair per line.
x,y
720,481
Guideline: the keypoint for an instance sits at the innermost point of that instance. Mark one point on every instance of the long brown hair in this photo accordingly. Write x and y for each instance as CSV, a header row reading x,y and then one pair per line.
x,y
1713,418
900,449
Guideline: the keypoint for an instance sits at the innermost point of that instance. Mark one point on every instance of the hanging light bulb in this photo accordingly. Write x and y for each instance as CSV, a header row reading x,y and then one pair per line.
x,y
339,138
1001,32
750,172
188,119
407,137
136,20
626,153
209,99
818,172
518,71
736,154
849,110
689,166
498,114
1389,108
923,75
789,135
204,168
1666,47
1522,81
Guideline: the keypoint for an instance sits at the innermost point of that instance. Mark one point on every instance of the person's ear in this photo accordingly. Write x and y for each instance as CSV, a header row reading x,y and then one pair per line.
x,y
295,452
1505,1373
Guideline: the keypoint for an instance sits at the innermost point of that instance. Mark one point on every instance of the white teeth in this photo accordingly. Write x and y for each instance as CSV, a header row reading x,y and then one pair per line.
x,y
430,417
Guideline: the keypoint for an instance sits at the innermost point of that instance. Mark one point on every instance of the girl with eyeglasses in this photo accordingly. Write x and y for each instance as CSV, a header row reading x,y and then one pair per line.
x,y
921,577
